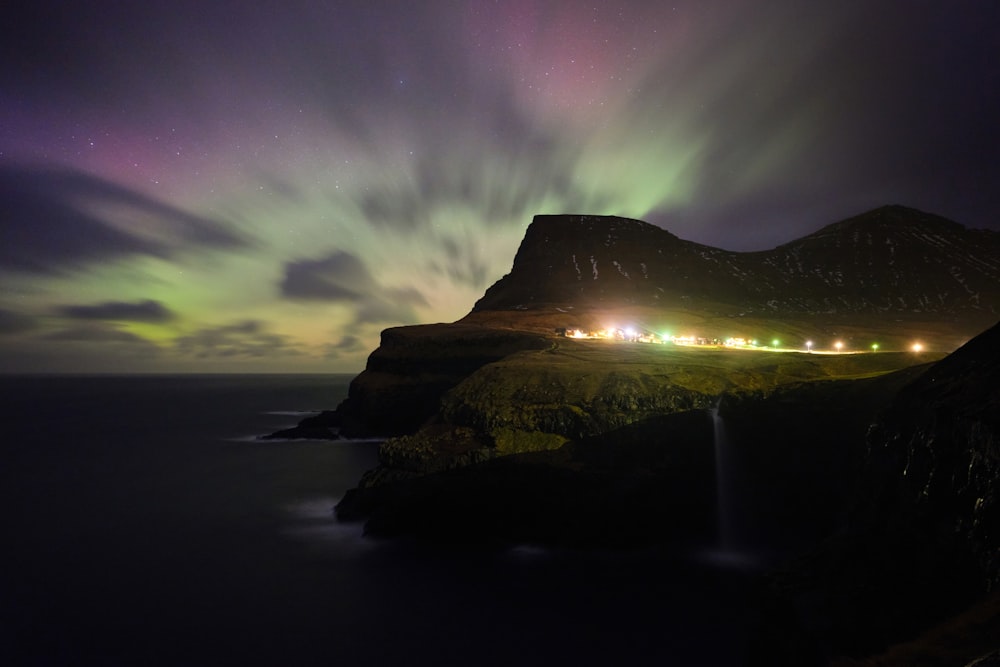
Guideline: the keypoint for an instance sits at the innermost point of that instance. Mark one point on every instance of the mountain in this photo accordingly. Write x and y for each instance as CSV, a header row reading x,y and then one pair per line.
x,y
889,277
892,260
506,432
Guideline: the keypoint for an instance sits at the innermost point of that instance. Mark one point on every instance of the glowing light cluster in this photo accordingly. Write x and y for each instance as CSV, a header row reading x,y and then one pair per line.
x,y
635,334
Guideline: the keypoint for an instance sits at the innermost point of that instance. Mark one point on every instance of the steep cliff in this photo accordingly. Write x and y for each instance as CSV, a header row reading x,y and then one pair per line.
x,y
590,391
923,540
406,376
934,460
634,463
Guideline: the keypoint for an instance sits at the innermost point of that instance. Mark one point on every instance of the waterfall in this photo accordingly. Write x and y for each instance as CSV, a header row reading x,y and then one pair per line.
x,y
723,480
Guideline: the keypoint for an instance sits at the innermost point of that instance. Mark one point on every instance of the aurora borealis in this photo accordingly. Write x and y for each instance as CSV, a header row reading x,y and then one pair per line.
x,y
264,186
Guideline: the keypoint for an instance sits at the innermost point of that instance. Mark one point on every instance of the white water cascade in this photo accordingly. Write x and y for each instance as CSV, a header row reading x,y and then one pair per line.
x,y
723,481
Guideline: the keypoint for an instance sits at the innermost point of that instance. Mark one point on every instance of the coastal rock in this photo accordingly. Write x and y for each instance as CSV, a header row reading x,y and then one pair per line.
x,y
624,417
406,376
402,385
324,426
923,538
934,460
650,482
573,390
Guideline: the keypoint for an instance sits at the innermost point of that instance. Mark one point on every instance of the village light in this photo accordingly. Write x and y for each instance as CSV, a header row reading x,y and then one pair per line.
x,y
809,346
775,343
839,346
918,347
874,347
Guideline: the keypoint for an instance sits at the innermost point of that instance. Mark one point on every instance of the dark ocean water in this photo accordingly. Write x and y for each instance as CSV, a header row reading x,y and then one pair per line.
x,y
143,525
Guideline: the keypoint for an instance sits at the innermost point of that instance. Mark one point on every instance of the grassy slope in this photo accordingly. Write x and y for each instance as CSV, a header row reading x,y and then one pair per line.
x,y
582,364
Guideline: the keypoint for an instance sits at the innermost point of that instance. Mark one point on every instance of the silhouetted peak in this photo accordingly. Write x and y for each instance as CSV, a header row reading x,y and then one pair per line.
x,y
891,219
890,259
549,226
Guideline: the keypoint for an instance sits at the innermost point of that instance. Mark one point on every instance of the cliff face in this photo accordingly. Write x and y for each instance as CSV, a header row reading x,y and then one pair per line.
x,y
923,537
934,461
587,391
402,386
407,375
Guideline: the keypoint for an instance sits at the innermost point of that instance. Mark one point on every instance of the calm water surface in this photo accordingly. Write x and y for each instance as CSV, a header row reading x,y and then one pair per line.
x,y
143,524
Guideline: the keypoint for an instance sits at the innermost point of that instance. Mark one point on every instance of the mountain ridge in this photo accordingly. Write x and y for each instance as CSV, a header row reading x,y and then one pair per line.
x,y
891,259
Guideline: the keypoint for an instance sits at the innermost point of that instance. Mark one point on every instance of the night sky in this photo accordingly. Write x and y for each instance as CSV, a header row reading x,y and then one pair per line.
x,y
264,186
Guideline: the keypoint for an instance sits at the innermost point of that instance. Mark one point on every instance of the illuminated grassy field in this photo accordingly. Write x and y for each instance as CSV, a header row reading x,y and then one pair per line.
x,y
857,332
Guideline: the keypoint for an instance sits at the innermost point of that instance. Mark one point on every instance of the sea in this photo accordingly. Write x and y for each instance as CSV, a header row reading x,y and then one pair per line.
x,y
144,523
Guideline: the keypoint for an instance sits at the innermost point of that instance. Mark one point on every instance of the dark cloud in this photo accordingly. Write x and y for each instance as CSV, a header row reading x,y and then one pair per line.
x,y
123,311
99,333
15,323
93,346
49,221
347,345
247,339
343,277
339,277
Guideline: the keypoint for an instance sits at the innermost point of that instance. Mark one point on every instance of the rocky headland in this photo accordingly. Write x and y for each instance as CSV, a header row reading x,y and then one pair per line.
x,y
879,468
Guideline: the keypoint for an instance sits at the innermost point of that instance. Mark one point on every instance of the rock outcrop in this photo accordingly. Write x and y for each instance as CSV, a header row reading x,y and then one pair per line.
x,y
406,376
923,540
934,459
574,391
796,449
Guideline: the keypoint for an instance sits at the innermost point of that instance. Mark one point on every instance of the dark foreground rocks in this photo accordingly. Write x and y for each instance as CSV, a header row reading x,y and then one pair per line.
x,y
898,521
922,542
792,454
631,487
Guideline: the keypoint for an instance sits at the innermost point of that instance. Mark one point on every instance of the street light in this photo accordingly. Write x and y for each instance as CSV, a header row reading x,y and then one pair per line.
x,y
917,347
874,347
839,346
775,343
809,346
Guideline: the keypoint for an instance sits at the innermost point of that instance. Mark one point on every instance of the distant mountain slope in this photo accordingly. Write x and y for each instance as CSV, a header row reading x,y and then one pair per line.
x,y
889,260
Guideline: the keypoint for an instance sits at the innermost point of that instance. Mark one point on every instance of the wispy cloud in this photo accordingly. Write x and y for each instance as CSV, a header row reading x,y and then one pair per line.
x,y
55,219
343,277
122,311
246,338
96,333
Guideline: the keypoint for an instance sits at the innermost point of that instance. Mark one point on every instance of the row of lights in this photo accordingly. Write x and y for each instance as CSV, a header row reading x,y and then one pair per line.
x,y
839,346
631,334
